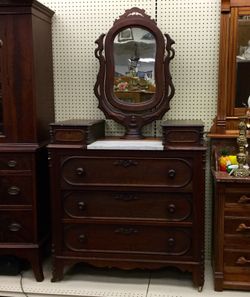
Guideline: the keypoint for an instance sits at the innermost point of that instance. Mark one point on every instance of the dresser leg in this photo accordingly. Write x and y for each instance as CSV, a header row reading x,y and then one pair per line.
x,y
36,264
57,270
198,278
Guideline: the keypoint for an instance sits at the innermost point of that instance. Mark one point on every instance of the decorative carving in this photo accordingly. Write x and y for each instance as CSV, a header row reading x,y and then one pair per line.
x,y
125,163
126,197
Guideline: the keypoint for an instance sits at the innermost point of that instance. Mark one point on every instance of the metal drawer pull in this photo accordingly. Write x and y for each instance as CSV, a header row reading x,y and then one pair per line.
x,y
82,238
81,205
14,227
171,241
242,227
244,199
242,261
126,231
12,163
125,163
14,191
171,208
80,171
126,197
1,43
171,173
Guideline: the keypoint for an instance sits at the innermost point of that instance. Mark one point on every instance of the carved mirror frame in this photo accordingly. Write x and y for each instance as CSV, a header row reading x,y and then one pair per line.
x,y
228,113
133,116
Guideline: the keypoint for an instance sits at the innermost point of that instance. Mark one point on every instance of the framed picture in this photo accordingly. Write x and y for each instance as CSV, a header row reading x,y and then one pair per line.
x,y
125,35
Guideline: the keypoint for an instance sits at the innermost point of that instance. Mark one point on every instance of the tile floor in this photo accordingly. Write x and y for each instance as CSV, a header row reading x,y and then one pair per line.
x,y
83,280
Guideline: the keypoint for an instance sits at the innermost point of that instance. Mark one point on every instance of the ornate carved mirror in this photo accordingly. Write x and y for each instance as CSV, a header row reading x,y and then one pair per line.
x,y
234,68
134,85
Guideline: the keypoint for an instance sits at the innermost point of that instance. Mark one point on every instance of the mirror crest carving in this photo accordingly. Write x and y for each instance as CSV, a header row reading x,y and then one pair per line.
x,y
134,84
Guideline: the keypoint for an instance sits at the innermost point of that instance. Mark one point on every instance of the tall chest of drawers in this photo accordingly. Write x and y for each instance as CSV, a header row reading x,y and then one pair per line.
x,y
26,109
24,202
128,208
231,256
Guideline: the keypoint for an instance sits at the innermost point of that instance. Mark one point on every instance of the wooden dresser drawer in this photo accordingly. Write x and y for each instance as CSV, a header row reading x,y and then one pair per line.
x,y
16,190
128,239
15,161
136,205
237,200
237,232
237,266
162,172
16,226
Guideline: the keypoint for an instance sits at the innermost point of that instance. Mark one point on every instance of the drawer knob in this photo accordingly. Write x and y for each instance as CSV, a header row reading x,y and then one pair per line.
x,y
14,191
1,43
12,163
171,242
171,208
81,205
242,227
126,231
242,261
244,199
80,171
171,173
14,227
82,238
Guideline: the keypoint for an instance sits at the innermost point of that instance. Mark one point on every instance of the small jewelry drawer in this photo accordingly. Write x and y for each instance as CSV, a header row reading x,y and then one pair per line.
x,y
162,172
16,190
179,133
15,161
128,239
77,131
16,226
136,205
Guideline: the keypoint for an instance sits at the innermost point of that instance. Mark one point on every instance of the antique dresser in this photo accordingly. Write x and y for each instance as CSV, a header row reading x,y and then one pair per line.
x,y
26,109
231,202
127,203
130,201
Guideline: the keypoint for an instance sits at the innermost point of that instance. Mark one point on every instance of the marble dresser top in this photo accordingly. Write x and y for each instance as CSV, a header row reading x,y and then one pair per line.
x,y
144,144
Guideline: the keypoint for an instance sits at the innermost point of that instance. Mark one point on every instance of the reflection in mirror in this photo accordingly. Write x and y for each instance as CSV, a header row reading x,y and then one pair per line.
x,y
243,63
134,57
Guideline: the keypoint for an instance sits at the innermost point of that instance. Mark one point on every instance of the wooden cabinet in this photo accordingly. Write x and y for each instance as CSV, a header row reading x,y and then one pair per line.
x,y
26,109
231,257
128,208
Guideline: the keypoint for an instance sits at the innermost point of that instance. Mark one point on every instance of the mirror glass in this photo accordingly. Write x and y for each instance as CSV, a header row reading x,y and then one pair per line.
x,y
243,63
134,69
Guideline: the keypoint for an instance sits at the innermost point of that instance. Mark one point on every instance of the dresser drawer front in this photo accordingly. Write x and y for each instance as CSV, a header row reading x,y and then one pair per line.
x,y
16,190
172,172
237,232
237,226
237,266
128,239
16,226
136,205
237,201
15,161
